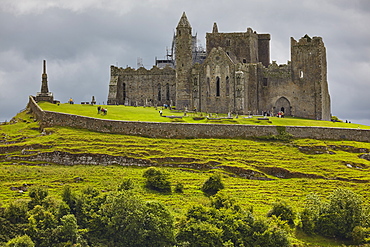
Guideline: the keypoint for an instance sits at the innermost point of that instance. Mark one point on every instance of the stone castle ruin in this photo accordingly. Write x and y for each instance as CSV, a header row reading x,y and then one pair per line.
x,y
234,74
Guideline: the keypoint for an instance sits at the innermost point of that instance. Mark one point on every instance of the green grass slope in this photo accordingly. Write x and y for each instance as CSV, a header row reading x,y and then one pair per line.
x,y
151,114
256,173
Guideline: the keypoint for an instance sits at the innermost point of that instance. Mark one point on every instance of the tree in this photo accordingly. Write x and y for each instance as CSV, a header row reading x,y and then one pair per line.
x,y
336,218
16,212
212,185
157,180
271,233
67,230
37,194
41,226
227,224
341,215
129,221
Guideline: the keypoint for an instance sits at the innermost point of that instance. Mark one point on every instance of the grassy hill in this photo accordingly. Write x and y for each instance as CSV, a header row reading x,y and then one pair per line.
x,y
151,114
256,173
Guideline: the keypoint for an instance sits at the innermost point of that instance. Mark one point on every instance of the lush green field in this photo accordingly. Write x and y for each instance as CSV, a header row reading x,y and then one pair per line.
x,y
151,114
294,168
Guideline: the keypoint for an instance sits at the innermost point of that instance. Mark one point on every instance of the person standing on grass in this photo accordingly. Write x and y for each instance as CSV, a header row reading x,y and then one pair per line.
x,y
99,109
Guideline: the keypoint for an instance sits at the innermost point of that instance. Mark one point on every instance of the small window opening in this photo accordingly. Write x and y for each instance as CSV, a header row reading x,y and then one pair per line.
x,y
265,82
217,86
244,60
301,74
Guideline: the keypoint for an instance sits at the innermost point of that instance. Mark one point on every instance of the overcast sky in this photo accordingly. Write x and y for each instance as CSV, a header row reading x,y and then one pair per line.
x,y
81,39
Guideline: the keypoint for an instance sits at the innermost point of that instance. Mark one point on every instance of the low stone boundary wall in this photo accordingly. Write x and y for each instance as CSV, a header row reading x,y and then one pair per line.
x,y
190,130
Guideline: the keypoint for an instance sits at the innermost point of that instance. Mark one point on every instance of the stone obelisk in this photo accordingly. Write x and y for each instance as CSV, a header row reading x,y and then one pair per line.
x,y
44,95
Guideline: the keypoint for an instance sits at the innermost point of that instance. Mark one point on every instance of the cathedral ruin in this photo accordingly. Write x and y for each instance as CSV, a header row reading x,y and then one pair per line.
x,y
232,75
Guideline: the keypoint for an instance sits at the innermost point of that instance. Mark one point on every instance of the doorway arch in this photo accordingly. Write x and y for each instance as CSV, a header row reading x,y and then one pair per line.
x,y
283,104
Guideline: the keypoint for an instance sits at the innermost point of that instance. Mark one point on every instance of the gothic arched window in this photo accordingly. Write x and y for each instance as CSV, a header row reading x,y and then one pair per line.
x,y
217,86
159,93
167,91
227,86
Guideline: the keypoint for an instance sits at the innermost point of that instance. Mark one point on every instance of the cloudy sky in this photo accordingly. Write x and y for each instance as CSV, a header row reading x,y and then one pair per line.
x,y
81,39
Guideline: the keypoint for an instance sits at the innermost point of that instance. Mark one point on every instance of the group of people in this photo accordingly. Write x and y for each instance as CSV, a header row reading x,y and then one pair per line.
x,y
280,114
102,110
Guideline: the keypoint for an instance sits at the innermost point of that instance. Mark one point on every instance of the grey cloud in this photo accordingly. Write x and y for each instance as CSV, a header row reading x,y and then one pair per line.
x,y
81,39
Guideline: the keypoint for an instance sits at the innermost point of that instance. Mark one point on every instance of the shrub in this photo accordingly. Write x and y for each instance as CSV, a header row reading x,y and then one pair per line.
x,y
20,241
127,184
157,180
283,211
200,234
126,220
222,200
179,188
212,185
337,218
37,194
16,212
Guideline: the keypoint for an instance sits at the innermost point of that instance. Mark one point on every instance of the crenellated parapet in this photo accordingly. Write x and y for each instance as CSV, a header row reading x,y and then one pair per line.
x,y
306,40
275,70
117,71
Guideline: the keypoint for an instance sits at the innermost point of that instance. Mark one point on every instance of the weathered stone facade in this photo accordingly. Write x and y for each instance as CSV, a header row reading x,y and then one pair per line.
x,y
235,76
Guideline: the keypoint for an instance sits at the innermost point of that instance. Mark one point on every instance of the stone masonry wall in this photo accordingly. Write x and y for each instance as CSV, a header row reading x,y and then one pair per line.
x,y
186,130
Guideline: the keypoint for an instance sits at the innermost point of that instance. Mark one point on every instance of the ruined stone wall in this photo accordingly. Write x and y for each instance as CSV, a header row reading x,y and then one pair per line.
x,y
276,83
216,76
241,47
142,87
184,130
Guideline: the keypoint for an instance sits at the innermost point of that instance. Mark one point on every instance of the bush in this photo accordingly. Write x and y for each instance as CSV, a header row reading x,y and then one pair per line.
x,y
179,188
157,180
16,212
283,211
226,224
212,185
37,194
20,241
337,218
127,184
200,234
126,220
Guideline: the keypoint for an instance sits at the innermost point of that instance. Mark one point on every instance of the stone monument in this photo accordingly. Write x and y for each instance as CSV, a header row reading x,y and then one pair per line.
x,y
44,95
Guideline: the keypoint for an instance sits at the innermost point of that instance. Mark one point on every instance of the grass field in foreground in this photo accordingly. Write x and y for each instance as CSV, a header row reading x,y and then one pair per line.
x,y
151,114
24,135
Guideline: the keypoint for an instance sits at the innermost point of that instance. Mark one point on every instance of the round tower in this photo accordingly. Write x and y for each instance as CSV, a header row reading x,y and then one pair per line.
x,y
184,62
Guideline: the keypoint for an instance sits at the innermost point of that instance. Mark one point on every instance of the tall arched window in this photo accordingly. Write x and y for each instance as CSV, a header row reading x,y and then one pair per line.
x,y
217,86
227,86
124,92
159,93
208,87
167,91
